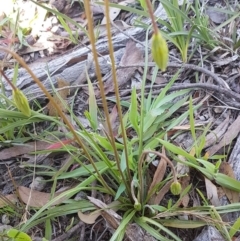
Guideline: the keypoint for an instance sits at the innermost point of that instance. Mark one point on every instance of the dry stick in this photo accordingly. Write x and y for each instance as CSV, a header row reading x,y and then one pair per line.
x,y
180,86
71,231
220,81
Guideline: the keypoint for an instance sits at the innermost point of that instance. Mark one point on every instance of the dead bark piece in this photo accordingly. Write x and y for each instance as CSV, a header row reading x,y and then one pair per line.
x,y
228,137
214,135
209,233
135,232
111,217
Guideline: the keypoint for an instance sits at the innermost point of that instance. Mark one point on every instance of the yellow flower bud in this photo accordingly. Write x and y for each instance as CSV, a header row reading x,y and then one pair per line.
x,y
160,51
21,102
176,188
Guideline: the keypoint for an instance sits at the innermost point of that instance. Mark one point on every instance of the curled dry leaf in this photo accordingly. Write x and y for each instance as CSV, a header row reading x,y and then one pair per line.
x,y
89,218
37,199
111,217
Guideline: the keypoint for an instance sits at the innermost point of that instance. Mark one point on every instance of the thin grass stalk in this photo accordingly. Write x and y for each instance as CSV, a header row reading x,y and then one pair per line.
x,y
140,174
116,89
66,121
144,78
140,149
101,86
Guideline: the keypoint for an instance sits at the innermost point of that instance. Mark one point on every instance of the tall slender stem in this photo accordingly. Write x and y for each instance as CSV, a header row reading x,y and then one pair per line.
x,y
61,114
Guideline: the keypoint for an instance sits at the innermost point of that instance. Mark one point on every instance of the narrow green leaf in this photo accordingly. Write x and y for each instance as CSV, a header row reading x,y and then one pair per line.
x,y
120,190
92,104
126,220
183,224
191,117
133,112
235,228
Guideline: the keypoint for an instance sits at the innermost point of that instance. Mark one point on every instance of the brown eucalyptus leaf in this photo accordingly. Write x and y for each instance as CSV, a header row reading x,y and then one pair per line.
x,y
184,181
212,192
89,218
156,198
132,55
37,199
158,175
4,200
23,149
226,169
59,101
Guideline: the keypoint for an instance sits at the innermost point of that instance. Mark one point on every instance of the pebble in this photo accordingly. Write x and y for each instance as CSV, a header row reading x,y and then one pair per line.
x,y
38,184
5,219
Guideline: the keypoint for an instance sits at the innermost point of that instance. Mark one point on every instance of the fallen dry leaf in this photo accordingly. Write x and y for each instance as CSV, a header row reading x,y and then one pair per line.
x,y
111,217
4,200
132,55
23,149
113,120
113,13
157,178
228,137
184,181
37,199
212,192
158,197
226,169
89,218
63,93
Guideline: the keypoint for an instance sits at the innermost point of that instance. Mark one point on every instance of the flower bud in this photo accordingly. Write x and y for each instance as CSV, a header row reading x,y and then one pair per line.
x,y
176,188
160,51
21,102
137,206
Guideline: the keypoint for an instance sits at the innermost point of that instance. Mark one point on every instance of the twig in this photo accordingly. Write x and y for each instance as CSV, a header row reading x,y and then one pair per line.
x,y
71,231
220,81
209,87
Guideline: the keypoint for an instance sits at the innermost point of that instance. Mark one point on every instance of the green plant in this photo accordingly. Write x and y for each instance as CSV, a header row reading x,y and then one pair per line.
x,y
119,162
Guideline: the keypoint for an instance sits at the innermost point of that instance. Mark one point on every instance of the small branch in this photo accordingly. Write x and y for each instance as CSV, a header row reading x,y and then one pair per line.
x,y
220,81
71,231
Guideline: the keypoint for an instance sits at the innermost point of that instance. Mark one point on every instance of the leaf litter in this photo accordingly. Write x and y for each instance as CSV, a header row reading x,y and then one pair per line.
x,y
38,199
